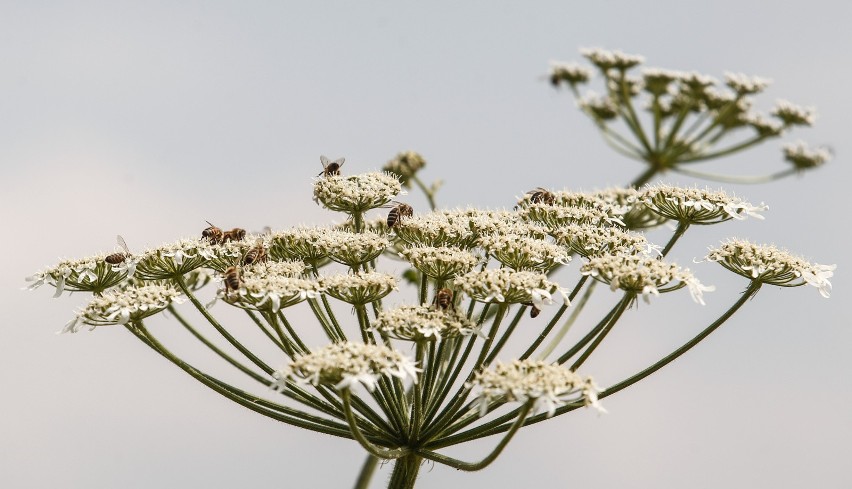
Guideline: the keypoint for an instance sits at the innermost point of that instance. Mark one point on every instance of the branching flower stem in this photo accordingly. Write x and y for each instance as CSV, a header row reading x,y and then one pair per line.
x,y
383,453
682,226
577,308
500,425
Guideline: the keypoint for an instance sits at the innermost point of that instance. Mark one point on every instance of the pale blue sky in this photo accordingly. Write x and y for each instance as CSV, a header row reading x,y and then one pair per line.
x,y
145,118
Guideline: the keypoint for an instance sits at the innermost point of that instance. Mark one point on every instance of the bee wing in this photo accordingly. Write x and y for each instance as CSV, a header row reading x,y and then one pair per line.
x,y
121,243
339,161
324,161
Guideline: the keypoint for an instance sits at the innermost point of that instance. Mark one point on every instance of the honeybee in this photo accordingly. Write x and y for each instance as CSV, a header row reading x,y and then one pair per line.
x,y
255,254
236,234
232,279
116,258
213,234
398,212
330,168
541,195
444,299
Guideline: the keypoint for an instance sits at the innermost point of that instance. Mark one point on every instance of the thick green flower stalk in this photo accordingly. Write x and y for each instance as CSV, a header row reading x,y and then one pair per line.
x,y
419,311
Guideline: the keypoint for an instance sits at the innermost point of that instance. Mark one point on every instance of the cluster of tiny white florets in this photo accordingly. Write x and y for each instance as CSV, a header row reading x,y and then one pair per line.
x,y
601,200
272,287
352,249
510,287
230,253
487,221
803,157
175,259
570,73
698,206
633,212
120,306
643,275
555,216
606,60
586,240
435,229
299,244
522,252
441,263
794,115
356,193
770,265
358,288
90,274
745,84
599,107
343,365
547,386
424,323
405,165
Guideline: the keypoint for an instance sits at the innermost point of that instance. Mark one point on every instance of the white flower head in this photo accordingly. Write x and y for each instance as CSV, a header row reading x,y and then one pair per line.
x,y
547,386
521,252
568,73
175,259
587,240
358,288
442,263
350,248
698,206
120,306
770,265
272,287
90,274
794,115
606,60
436,229
424,323
356,193
343,365
746,85
643,275
509,286
802,157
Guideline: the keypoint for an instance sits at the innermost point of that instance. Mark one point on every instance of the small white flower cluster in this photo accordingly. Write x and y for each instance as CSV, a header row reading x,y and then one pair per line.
x,y
607,60
175,259
803,157
436,229
343,365
358,288
586,240
794,115
300,244
746,85
569,73
770,265
698,206
120,306
90,274
440,263
627,205
405,165
643,275
548,386
521,252
510,287
271,287
555,216
599,107
424,323
356,193
352,249
486,221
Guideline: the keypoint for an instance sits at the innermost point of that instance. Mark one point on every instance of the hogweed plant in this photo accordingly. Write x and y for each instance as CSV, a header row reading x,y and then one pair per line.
x,y
407,375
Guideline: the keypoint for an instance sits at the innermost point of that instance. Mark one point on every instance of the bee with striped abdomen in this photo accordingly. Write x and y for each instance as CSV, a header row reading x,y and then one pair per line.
x,y
116,258
255,254
398,212
330,168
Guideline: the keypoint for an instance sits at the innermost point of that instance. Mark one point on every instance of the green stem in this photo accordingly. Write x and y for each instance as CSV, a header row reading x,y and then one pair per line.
x,y
743,179
590,335
506,334
572,318
368,468
682,226
625,303
383,453
645,176
468,466
233,341
428,193
405,470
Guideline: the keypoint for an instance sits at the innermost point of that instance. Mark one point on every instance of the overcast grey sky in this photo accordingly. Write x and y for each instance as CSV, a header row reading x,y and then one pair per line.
x,y
145,118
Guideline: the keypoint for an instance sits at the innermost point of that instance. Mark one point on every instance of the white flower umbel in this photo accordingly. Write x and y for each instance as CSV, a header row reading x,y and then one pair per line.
x,y
606,60
524,252
802,157
746,85
436,229
643,275
568,73
356,193
175,259
628,206
549,386
352,249
405,165
423,323
343,365
599,107
698,206
441,263
770,265
586,241
90,274
124,305
555,216
358,288
301,244
793,115
230,253
510,287
271,287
